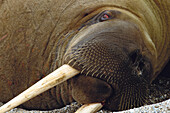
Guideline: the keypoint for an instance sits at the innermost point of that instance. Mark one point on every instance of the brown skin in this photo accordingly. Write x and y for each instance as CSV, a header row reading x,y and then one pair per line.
x,y
90,90
116,56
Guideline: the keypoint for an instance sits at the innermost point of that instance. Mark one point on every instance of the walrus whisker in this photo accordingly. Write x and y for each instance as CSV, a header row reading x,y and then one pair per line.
x,y
129,99
92,70
82,71
138,104
108,74
124,100
90,108
71,61
120,104
81,61
88,72
109,78
66,57
84,68
143,99
71,55
124,107
88,65
76,62
131,102
97,70
99,73
56,77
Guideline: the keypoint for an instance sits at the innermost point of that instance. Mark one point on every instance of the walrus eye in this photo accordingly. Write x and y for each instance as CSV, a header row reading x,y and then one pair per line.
x,y
105,17
108,15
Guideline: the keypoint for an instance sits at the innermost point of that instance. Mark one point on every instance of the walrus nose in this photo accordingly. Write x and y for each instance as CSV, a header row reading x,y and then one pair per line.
x,y
105,41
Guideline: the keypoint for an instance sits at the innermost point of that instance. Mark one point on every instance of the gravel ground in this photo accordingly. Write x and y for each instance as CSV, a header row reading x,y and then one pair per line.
x,y
159,94
162,107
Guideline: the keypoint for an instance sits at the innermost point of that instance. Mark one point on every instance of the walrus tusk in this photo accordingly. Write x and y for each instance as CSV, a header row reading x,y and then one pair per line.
x,y
58,76
90,108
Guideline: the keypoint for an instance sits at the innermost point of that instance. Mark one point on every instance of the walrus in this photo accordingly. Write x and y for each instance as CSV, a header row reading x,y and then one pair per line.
x,y
118,46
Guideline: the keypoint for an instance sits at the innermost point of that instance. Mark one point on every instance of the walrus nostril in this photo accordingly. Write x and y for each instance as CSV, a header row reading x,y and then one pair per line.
x,y
140,65
134,55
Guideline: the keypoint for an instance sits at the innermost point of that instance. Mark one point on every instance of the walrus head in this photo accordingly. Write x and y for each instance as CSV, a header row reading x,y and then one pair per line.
x,y
113,55
108,52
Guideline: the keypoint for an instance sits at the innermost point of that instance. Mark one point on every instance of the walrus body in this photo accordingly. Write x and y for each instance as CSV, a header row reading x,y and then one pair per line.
x,y
37,37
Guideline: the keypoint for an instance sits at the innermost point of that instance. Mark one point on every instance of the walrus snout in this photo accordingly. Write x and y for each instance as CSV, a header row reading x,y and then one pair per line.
x,y
102,50
110,51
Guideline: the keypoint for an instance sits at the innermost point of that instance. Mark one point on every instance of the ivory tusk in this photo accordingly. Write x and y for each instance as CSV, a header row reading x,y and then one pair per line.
x,y
90,108
58,76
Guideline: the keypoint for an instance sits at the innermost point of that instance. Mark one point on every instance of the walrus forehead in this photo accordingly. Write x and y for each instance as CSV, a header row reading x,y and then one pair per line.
x,y
118,28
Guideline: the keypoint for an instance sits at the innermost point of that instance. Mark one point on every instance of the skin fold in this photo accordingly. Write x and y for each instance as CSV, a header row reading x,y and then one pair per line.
x,y
119,46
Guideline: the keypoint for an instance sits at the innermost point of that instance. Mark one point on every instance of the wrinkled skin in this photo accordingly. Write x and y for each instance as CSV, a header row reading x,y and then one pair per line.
x,y
118,46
